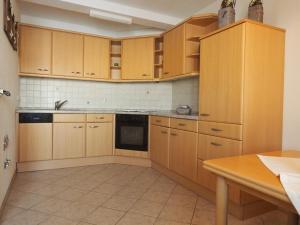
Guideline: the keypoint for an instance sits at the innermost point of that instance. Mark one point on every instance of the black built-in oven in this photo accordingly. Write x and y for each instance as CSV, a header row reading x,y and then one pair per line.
x,y
132,132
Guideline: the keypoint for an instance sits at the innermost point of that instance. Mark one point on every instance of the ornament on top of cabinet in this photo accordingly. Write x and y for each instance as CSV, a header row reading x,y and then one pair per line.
x,y
256,10
227,13
10,25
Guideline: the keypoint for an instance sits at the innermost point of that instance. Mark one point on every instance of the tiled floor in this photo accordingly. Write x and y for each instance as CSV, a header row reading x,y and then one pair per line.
x,y
108,195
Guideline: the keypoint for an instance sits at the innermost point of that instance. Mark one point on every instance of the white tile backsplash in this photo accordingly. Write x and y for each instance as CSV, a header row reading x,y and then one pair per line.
x,y
43,92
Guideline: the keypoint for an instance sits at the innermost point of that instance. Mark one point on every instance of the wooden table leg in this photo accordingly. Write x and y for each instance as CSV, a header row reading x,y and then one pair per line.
x,y
221,201
293,219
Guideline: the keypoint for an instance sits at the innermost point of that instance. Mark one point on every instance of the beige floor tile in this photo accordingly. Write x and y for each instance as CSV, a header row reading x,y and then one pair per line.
x,y
168,222
147,208
24,200
136,219
180,190
203,216
58,221
182,200
204,204
52,205
120,180
75,211
103,216
10,211
156,196
50,190
132,192
177,214
119,203
70,194
108,189
162,187
38,177
94,198
27,218
30,187
87,185
253,221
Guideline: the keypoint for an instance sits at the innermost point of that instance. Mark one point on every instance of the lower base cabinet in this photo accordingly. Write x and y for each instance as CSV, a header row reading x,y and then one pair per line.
x,y
183,153
35,142
99,139
159,145
68,140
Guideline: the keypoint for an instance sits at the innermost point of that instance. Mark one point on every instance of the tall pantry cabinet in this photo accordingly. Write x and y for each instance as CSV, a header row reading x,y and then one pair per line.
x,y
241,91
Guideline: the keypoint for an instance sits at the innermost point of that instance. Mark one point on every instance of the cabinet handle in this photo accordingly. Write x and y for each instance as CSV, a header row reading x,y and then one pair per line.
x,y
166,72
204,114
173,134
181,124
215,144
164,132
73,72
78,73
216,130
100,118
45,70
93,126
93,74
39,69
145,75
78,127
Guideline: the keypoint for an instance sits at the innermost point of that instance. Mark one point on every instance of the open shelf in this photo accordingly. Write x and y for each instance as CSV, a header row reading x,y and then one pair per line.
x,y
115,67
194,55
158,65
194,38
115,54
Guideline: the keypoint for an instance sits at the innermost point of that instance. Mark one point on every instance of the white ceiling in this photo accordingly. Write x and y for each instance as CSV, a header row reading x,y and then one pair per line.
x,y
161,14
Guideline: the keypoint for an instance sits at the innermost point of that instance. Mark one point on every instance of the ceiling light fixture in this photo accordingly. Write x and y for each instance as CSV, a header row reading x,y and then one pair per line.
x,y
110,16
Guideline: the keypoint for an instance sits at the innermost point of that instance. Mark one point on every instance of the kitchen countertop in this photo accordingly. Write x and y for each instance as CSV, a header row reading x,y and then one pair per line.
x,y
166,113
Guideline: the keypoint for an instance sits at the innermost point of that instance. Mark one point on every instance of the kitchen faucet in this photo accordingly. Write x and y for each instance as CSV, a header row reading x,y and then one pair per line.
x,y
59,104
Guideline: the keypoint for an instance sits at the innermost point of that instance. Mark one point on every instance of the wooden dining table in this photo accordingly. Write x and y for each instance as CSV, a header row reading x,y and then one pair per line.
x,y
253,177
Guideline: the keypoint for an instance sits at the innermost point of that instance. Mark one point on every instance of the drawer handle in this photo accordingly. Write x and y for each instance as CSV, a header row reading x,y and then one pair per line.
x,y
215,144
79,127
216,130
166,72
173,134
164,132
100,118
181,124
158,121
145,75
93,126
93,74
204,114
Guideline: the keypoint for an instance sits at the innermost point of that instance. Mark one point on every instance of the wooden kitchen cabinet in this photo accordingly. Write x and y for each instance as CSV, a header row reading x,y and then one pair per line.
x,y
68,140
221,76
35,142
183,153
35,50
96,57
67,57
159,145
174,52
99,139
138,59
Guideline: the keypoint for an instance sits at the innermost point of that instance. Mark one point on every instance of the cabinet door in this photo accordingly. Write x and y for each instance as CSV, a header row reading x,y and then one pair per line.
x,y
221,69
68,140
174,52
96,57
183,153
35,50
35,142
159,145
67,55
99,139
138,59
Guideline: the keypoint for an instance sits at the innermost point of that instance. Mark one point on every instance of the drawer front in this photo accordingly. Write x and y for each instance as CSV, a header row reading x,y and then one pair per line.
x,y
160,121
231,131
182,124
210,147
69,118
99,118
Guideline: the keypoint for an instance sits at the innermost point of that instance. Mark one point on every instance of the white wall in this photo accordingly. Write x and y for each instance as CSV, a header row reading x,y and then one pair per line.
x,y
9,81
283,14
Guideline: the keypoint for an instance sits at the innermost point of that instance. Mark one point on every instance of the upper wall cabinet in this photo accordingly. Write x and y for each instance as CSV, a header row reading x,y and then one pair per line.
x,y
138,59
35,50
182,46
96,57
67,55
